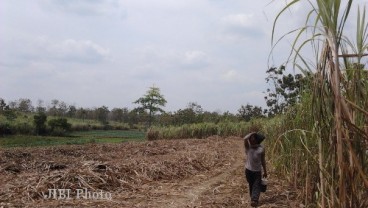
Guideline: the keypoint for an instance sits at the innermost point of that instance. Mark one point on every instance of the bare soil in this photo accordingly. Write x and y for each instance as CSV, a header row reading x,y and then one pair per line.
x,y
169,173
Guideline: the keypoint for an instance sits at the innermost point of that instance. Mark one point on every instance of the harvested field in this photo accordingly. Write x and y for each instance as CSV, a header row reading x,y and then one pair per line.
x,y
169,173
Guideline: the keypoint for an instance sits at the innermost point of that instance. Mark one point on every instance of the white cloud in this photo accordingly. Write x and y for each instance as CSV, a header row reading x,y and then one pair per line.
x,y
82,7
229,75
69,50
239,20
240,27
195,58
83,50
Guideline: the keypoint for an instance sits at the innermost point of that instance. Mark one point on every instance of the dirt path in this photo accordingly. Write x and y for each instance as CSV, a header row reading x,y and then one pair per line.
x,y
195,189
226,188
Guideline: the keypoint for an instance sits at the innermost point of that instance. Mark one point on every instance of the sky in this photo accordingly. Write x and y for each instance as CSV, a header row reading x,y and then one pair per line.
x,y
91,53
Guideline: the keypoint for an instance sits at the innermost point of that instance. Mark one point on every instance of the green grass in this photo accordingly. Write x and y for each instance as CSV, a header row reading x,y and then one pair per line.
x,y
76,138
23,119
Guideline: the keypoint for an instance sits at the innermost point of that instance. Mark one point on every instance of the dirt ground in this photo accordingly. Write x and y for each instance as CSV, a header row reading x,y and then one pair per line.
x,y
170,173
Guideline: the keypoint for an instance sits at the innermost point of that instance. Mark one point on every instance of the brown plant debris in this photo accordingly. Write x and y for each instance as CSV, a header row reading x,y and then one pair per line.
x,y
169,173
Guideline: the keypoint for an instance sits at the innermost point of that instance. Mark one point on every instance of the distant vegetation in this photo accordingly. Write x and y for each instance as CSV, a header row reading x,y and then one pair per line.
x,y
59,118
204,130
78,137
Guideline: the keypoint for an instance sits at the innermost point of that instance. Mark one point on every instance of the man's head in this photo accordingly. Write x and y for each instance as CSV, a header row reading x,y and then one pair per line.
x,y
253,139
256,138
259,138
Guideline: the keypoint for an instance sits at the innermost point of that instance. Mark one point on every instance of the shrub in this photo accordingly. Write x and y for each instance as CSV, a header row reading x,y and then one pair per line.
x,y
5,129
80,127
59,126
24,128
107,127
123,126
39,120
152,134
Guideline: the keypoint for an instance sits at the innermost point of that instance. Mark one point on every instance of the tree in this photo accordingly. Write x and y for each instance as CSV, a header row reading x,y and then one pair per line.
x,y
120,115
185,116
5,110
2,105
195,107
151,102
213,117
166,119
72,110
8,112
191,114
13,105
40,106
62,108
82,113
249,111
25,105
53,109
135,117
102,114
284,91
59,126
39,120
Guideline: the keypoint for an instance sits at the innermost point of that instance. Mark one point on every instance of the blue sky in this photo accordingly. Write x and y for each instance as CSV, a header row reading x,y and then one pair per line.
x,y
109,52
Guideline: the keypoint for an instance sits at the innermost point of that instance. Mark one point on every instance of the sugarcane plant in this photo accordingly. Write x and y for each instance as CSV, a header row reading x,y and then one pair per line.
x,y
339,100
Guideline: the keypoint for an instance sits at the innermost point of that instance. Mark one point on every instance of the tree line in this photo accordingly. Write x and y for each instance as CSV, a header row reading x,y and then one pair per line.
x,y
284,91
192,113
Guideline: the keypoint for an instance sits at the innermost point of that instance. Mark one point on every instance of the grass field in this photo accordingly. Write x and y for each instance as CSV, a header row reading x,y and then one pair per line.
x,y
83,137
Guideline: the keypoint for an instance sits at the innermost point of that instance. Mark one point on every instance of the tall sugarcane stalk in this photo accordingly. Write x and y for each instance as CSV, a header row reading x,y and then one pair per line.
x,y
342,123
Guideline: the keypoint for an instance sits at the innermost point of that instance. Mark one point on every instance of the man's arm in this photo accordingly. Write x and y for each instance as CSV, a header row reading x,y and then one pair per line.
x,y
246,143
264,164
246,140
